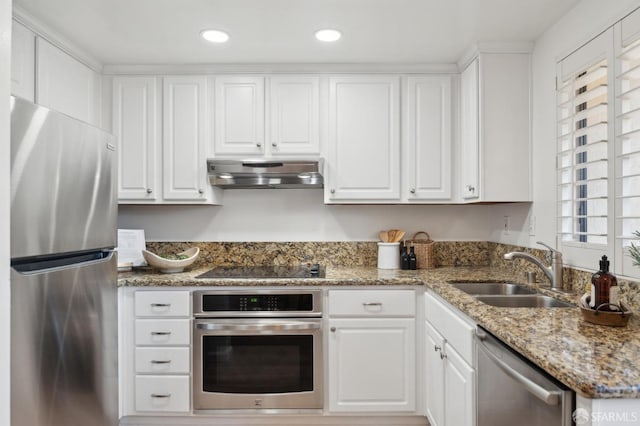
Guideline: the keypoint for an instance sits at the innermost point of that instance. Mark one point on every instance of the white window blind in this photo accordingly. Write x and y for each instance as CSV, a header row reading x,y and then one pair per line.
x,y
627,152
583,159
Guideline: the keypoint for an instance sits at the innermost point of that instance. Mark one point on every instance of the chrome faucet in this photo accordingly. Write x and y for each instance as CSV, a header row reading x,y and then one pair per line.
x,y
553,272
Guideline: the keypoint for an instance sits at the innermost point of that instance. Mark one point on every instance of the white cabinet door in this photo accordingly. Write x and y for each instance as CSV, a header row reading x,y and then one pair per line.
x,y
434,376
66,85
364,142
294,115
496,128
23,65
469,132
427,139
135,125
239,115
184,138
372,365
459,390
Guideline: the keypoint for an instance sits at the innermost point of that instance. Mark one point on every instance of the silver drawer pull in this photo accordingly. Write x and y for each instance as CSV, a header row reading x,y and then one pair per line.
x,y
155,361
160,305
160,333
371,304
160,395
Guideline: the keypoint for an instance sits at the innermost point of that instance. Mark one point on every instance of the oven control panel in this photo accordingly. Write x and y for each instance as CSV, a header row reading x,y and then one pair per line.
x,y
212,303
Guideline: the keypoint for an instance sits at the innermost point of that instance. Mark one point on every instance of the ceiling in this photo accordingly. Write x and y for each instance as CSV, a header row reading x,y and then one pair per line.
x,y
281,31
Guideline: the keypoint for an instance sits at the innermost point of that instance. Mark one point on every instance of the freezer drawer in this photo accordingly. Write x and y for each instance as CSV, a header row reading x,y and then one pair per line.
x,y
64,344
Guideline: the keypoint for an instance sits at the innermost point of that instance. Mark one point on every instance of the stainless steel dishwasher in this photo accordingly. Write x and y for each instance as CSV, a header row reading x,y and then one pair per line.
x,y
512,391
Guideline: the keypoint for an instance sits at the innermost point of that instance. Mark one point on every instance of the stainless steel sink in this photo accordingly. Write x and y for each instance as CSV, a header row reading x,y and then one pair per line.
x,y
523,301
492,288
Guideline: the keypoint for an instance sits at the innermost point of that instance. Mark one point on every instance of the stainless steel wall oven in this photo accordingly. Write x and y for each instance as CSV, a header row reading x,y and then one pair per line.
x,y
257,349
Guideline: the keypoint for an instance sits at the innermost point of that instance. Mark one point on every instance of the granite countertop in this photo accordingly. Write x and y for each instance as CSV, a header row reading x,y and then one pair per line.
x,y
595,361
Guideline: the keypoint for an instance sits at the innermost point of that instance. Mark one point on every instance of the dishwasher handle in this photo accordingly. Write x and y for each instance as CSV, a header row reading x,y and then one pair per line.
x,y
547,396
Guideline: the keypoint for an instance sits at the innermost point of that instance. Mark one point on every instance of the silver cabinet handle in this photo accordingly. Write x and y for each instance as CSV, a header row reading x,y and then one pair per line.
x,y
548,397
333,329
371,304
155,361
160,395
160,333
412,190
200,191
259,145
149,190
437,348
471,188
160,305
333,191
275,145
442,355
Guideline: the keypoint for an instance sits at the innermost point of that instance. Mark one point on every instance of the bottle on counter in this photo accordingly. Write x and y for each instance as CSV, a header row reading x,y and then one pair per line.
x,y
412,258
604,288
404,256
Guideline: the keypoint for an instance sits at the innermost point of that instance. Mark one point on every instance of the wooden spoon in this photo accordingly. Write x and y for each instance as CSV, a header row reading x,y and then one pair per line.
x,y
384,236
398,236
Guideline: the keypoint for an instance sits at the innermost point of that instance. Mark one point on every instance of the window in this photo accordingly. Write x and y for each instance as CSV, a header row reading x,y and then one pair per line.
x,y
598,99
627,153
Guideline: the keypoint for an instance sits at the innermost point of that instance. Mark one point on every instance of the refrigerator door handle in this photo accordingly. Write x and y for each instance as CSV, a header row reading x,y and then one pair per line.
x,y
42,265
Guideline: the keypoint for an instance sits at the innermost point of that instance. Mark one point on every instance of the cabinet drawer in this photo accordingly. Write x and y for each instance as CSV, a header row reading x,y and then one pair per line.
x,y
162,360
162,332
162,393
374,303
457,331
162,304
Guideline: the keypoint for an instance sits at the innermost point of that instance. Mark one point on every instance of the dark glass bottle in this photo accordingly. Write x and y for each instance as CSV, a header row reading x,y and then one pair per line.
x,y
412,258
604,288
404,256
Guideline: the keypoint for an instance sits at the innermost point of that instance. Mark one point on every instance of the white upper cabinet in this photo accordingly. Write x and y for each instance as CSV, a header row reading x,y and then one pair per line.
x,y
162,159
496,128
294,111
239,115
66,85
364,140
184,138
469,154
23,50
136,127
427,141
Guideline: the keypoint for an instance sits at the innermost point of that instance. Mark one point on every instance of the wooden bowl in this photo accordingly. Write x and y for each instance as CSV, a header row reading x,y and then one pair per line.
x,y
169,266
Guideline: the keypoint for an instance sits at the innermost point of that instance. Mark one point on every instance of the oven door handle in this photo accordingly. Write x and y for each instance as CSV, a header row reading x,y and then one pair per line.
x,y
549,397
277,326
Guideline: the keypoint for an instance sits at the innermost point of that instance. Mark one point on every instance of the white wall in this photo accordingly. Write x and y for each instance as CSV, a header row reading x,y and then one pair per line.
x,y
5,293
579,25
299,215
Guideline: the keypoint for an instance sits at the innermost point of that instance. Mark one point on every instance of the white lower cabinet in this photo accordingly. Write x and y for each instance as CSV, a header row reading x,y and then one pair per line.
x,y
162,393
155,351
372,356
449,369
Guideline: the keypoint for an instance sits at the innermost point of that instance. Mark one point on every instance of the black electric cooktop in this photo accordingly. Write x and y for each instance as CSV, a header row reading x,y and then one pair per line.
x,y
300,271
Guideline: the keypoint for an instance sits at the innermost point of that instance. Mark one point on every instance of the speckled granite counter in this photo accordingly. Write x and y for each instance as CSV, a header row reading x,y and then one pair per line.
x,y
595,361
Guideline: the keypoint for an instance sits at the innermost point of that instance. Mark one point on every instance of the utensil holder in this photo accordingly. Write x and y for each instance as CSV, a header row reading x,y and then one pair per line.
x,y
388,255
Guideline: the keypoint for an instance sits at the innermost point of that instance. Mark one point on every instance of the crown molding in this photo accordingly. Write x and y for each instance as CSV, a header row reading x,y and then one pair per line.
x,y
477,48
45,32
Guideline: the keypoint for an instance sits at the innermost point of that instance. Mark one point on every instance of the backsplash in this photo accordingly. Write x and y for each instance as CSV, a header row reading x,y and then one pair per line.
x,y
364,254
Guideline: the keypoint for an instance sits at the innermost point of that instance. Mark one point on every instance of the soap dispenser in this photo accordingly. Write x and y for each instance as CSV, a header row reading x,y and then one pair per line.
x,y
604,288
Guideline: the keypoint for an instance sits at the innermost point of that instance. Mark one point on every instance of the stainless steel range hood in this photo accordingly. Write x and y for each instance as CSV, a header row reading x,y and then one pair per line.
x,y
265,173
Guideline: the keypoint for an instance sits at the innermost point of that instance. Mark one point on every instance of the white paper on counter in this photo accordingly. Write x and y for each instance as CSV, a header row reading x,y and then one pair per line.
x,y
131,242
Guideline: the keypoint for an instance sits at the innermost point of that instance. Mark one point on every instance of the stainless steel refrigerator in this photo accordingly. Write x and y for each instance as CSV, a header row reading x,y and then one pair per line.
x,y
63,270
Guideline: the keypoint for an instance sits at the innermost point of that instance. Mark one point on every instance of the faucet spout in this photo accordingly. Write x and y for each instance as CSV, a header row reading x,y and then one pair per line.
x,y
518,254
553,272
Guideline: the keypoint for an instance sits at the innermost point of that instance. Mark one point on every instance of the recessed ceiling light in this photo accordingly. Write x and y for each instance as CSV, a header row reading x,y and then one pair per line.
x,y
328,35
215,36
